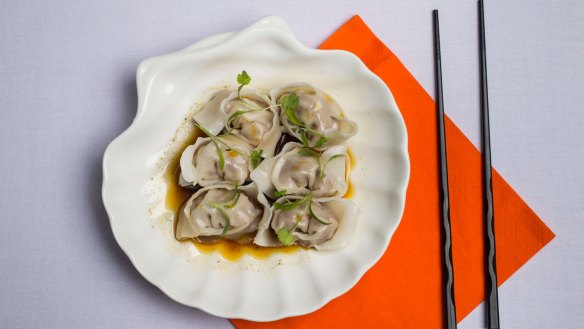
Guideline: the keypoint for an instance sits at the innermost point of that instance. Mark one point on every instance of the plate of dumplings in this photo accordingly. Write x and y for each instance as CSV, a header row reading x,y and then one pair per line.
x,y
257,182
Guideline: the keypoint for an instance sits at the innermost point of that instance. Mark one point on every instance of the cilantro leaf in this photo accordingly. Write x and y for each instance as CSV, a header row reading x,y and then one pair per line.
x,y
256,158
289,103
285,237
243,78
279,194
292,117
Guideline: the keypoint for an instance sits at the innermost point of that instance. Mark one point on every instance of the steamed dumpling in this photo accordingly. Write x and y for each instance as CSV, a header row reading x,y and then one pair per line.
x,y
256,121
210,116
309,231
318,112
258,125
298,174
340,214
200,162
208,212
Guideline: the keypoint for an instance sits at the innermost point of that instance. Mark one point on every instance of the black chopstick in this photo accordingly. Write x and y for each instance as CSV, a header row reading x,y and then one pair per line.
x,y
491,292
447,268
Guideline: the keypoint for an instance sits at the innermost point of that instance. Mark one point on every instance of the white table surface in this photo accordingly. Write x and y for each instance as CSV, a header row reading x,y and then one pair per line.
x,y
67,71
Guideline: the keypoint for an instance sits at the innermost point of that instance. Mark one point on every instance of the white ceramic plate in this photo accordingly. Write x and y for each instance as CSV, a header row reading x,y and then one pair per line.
x,y
284,285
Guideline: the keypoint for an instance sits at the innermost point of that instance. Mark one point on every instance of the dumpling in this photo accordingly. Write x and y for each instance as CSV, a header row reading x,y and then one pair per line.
x,y
256,121
318,112
299,170
335,227
200,162
222,211
210,116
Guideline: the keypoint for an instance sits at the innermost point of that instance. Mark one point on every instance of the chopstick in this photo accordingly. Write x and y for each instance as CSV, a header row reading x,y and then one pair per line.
x,y
447,268
491,291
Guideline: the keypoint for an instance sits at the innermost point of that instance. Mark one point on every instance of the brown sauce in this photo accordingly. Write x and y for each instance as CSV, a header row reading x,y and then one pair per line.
x,y
176,196
350,188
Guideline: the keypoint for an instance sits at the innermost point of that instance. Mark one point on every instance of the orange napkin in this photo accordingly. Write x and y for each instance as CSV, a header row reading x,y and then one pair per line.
x,y
403,290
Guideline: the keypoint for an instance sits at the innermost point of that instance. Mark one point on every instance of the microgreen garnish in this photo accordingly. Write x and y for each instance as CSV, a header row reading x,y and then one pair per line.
x,y
225,217
239,113
234,200
285,235
289,205
320,142
279,194
226,205
310,152
256,157
216,142
304,138
220,154
289,103
243,79
305,151
336,156
227,222
318,219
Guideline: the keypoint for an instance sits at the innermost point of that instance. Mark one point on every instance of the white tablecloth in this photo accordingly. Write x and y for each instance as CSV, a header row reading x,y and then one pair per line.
x,y
67,70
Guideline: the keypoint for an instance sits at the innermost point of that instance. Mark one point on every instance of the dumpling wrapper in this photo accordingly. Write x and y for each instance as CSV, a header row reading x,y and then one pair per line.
x,y
200,221
298,174
210,116
343,215
258,128
318,111
199,163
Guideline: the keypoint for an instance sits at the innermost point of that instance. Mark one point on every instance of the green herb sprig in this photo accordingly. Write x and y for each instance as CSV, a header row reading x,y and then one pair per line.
x,y
243,79
256,154
336,156
216,142
256,157
289,104
285,235
226,205
310,152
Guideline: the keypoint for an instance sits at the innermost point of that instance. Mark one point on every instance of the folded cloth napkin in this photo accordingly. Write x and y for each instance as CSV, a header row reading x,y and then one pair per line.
x,y
403,290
